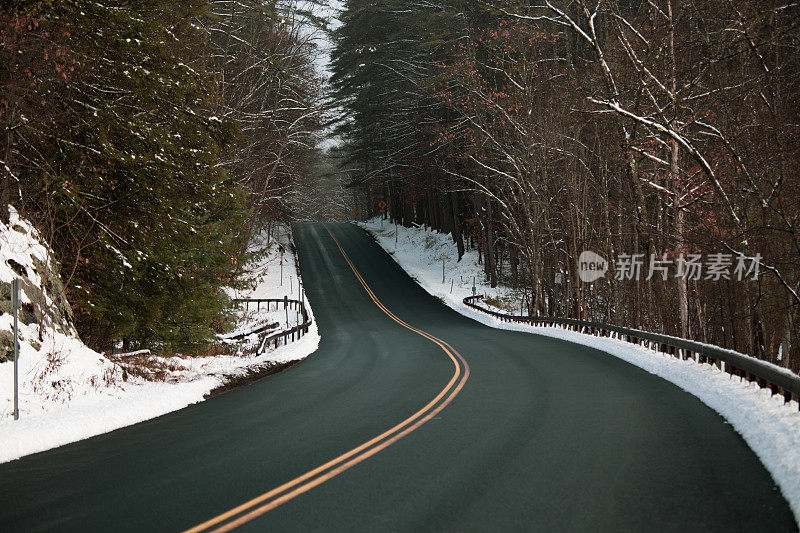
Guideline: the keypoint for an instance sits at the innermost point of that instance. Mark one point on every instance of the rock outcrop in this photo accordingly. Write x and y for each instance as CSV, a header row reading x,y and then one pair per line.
x,y
24,255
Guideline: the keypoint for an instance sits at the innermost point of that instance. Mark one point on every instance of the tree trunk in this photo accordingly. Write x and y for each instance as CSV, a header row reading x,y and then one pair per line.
x,y
491,267
457,236
787,330
513,259
683,300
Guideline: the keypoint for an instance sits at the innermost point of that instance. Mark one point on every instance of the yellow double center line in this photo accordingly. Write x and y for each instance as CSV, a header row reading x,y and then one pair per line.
x,y
291,489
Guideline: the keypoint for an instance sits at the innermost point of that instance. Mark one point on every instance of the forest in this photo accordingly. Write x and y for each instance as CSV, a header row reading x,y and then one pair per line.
x,y
534,131
149,141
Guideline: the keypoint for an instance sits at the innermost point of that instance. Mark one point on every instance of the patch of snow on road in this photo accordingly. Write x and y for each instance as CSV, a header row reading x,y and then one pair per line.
x,y
770,428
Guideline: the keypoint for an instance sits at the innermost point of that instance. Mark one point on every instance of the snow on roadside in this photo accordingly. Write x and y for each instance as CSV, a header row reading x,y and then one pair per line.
x,y
770,428
91,411
275,277
270,282
69,392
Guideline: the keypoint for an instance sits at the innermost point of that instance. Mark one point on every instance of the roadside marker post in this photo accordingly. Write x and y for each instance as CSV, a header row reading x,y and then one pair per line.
x,y
382,211
444,259
15,304
282,250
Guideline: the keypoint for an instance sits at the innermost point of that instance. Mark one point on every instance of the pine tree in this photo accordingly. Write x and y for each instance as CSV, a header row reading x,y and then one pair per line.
x,y
147,223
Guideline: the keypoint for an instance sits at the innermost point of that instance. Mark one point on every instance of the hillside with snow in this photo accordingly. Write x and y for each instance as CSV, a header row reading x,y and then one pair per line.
x,y
69,392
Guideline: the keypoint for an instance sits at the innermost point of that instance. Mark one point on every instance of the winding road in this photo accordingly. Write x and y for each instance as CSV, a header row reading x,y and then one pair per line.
x,y
409,417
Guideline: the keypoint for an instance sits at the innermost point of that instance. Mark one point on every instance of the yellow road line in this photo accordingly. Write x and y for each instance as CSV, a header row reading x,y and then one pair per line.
x,y
279,495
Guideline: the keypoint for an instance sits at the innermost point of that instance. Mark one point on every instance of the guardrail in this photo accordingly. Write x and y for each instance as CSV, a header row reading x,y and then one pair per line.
x,y
765,375
295,333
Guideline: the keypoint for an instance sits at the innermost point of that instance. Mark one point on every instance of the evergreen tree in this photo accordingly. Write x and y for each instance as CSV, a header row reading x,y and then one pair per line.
x,y
147,222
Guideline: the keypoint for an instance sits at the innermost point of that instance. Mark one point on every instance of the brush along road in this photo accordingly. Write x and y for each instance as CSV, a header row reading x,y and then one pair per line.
x,y
409,417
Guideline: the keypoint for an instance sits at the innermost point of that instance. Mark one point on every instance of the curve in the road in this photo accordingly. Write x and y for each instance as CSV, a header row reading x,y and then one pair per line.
x,y
269,500
548,436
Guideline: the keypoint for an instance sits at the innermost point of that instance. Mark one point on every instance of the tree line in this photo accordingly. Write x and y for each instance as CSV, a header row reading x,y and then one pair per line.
x,y
149,140
649,130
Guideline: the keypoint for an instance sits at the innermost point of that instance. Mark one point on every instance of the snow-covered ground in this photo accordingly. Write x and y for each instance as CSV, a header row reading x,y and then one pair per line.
x,y
69,392
770,428
275,277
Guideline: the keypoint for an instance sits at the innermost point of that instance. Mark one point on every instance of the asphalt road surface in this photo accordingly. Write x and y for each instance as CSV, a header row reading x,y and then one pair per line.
x,y
387,428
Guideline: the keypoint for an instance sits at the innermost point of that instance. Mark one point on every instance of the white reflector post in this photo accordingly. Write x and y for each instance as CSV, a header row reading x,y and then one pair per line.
x,y
15,304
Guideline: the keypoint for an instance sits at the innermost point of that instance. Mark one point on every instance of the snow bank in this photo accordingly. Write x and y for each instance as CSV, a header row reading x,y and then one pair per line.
x,y
47,422
54,365
69,392
770,428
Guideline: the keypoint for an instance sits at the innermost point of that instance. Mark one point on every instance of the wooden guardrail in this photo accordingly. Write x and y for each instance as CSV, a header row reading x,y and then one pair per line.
x,y
295,333
776,379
